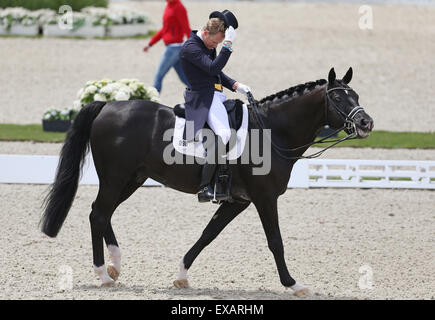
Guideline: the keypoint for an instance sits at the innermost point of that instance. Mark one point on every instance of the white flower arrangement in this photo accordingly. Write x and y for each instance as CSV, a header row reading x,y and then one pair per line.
x,y
17,15
97,15
110,90
78,20
65,114
43,15
90,16
104,90
107,16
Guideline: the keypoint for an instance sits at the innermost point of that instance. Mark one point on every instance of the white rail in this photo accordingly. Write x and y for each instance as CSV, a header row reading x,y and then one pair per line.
x,y
314,173
372,174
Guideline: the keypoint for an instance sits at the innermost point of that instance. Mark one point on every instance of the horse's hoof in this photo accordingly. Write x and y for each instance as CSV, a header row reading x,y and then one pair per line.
x,y
302,293
113,273
182,284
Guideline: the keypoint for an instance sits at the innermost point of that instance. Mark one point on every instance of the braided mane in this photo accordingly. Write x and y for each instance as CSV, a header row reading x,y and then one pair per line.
x,y
292,92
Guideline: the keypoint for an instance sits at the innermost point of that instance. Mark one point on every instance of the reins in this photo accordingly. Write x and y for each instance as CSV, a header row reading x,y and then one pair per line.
x,y
349,127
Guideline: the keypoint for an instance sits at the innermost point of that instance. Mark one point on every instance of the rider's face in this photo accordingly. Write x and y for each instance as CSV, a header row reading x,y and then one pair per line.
x,y
212,41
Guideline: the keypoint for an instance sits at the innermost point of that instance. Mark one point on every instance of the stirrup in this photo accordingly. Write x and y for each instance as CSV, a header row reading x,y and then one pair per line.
x,y
205,194
223,195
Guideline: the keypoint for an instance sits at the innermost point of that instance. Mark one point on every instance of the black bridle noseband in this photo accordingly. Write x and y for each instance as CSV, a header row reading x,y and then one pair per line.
x,y
349,126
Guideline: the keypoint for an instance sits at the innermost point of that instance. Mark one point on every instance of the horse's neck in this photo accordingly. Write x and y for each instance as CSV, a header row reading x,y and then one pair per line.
x,y
296,122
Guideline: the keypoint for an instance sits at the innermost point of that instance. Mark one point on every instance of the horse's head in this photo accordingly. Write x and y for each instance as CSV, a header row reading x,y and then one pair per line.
x,y
342,106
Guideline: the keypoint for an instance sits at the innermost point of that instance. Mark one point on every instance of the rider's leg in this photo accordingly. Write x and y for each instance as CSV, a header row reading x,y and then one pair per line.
x,y
218,122
218,117
206,191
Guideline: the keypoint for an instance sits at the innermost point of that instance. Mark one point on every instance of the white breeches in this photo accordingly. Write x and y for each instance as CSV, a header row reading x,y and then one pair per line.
x,y
218,117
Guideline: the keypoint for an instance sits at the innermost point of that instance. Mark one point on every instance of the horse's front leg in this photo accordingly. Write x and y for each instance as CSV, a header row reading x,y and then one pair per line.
x,y
224,215
268,211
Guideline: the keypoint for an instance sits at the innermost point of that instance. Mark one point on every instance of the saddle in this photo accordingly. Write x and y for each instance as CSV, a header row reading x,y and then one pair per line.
x,y
222,176
234,109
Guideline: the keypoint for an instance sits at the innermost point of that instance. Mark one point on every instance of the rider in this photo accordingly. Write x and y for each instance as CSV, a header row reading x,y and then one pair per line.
x,y
204,99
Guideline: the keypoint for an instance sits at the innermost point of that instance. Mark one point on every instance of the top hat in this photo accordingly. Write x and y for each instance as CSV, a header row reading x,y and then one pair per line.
x,y
226,16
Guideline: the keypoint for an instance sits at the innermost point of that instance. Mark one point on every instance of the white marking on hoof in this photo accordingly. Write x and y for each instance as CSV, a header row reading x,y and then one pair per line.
x,y
182,275
181,281
106,280
114,268
300,290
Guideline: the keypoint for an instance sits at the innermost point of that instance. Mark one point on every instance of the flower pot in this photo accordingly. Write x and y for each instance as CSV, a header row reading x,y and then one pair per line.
x,y
3,30
18,29
53,30
127,30
90,31
56,125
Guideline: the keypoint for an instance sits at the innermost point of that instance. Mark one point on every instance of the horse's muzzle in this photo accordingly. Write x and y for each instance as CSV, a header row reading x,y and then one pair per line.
x,y
364,125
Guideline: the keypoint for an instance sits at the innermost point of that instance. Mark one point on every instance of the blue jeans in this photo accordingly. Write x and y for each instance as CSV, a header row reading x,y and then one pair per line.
x,y
169,59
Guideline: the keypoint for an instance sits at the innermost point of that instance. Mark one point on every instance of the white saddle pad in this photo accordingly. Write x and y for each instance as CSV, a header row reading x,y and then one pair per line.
x,y
196,148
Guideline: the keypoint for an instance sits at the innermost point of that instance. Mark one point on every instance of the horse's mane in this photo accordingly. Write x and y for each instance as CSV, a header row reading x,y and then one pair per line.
x,y
293,92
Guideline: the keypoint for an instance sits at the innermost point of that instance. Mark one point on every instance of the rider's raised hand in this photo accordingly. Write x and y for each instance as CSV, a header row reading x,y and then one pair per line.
x,y
230,35
244,89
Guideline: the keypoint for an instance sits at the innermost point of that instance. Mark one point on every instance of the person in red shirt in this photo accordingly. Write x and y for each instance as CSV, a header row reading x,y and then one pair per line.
x,y
175,27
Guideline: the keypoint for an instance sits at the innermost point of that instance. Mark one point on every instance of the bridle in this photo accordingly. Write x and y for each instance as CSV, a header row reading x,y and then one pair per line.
x,y
348,119
349,126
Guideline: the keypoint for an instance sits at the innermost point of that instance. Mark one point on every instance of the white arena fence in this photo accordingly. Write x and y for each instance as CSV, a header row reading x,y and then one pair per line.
x,y
313,173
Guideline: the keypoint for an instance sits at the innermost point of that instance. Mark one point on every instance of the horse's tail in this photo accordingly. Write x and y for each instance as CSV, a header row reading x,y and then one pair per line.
x,y
62,192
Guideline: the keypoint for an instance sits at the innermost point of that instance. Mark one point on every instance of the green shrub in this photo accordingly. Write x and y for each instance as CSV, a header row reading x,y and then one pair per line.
x,y
76,5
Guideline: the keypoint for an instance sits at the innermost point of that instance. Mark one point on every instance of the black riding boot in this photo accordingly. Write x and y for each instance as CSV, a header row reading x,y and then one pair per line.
x,y
223,183
206,190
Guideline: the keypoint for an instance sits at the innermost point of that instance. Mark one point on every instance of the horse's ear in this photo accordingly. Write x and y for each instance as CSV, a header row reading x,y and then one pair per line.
x,y
348,76
331,76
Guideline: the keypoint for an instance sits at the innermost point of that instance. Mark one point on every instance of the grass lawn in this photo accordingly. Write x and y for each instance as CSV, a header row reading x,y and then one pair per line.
x,y
393,140
30,132
377,139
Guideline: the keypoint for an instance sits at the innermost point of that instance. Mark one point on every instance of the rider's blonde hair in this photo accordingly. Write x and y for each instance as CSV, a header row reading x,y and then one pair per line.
x,y
214,25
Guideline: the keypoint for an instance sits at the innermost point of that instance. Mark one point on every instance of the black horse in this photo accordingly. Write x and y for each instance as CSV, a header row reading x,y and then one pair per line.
x,y
127,144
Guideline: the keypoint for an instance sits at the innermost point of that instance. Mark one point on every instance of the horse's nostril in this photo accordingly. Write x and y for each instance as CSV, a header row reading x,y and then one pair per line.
x,y
366,124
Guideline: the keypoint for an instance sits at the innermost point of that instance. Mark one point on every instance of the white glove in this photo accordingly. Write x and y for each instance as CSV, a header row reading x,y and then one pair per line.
x,y
230,34
244,89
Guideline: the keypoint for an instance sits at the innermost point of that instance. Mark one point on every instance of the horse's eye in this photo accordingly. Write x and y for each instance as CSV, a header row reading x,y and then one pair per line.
x,y
337,98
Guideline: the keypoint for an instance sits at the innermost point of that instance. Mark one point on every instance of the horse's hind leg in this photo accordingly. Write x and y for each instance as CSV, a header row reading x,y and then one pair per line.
x,y
102,210
224,215
114,267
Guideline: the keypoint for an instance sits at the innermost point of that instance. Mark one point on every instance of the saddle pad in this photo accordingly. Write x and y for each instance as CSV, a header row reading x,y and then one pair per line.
x,y
196,148
234,109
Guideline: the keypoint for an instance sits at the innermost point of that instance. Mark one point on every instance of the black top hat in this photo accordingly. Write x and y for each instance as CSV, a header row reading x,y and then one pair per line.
x,y
226,16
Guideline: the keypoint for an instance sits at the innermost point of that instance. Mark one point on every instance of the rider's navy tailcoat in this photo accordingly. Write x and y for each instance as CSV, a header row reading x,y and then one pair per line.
x,y
203,69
